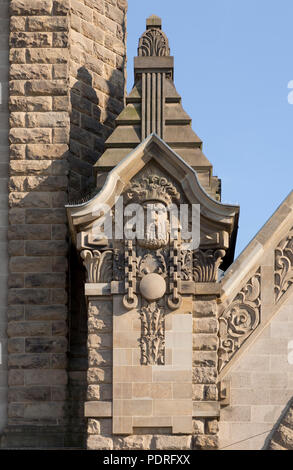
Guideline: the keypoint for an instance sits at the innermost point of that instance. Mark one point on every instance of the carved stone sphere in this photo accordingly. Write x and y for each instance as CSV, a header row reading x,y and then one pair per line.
x,y
152,286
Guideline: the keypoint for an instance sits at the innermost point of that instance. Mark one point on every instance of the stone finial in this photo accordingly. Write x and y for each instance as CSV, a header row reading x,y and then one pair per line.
x,y
154,22
153,42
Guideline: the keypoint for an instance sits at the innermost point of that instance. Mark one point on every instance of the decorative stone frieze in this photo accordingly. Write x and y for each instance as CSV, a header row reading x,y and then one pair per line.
x,y
284,266
240,319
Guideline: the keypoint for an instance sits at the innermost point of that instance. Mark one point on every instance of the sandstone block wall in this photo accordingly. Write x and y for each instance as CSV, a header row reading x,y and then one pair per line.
x,y
4,159
97,78
205,374
39,130
261,388
66,82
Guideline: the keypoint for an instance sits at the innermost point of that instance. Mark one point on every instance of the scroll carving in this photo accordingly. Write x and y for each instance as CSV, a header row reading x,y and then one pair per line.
x,y
239,320
153,42
98,265
206,264
284,266
152,341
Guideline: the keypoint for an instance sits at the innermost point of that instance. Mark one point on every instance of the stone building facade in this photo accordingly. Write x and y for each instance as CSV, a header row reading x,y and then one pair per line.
x,y
128,342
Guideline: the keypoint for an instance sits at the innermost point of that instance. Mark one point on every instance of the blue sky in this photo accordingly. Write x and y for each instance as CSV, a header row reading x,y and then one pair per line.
x,y
233,63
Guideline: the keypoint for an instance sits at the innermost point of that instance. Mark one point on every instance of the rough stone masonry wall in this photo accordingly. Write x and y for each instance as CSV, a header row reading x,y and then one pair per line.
x,y
4,158
97,82
204,362
43,83
39,129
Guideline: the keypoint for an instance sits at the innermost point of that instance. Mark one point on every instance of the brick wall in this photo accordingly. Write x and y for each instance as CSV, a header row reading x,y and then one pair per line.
x,y
67,72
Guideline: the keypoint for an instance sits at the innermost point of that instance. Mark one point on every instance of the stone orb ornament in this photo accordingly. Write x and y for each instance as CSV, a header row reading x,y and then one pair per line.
x,y
152,286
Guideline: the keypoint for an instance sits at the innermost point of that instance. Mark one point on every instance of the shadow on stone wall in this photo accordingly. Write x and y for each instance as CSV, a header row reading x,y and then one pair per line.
x,y
89,128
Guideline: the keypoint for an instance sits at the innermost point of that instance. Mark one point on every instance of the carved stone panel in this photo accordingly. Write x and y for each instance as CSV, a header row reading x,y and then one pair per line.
x,y
284,266
152,341
99,265
153,42
240,319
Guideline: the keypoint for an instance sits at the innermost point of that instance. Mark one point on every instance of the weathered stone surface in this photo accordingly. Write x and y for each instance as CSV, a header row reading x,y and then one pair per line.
x,y
31,7
29,361
133,443
100,358
35,199
45,377
15,345
204,358
29,394
205,308
205,342
29,296
204,375
198,426
47,56
205,325
44,152
16,377
48,312
45,23
205,442
28,329
162,442
212,426
28,264
98,375
29,232
45,280
46,248
46,87
103,341
24,136
99,392
30,72
25,39
46,345
95,442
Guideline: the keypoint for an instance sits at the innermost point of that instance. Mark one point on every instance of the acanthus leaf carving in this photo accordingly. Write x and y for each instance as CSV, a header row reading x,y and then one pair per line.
x,y
239,320
185,265
153,188
152,341
153,42
206,264
99,265
284,266
152,263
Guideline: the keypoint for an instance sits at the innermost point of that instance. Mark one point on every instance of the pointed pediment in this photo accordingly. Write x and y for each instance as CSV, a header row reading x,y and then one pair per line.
x,y
219,220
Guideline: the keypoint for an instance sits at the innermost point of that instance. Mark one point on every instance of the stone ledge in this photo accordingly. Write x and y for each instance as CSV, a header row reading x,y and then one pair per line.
x,y
185,287
103,409
97,289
